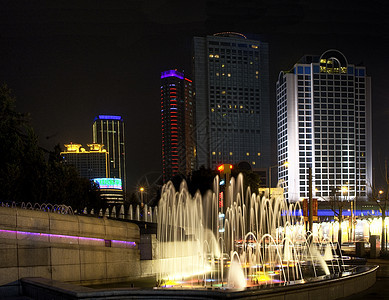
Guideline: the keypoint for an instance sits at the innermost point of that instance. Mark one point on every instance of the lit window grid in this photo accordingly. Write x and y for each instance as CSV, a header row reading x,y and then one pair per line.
x,y
233,106
281,119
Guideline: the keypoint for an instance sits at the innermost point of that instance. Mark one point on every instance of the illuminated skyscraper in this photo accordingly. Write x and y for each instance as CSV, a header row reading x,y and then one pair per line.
x,y
231,84
90,163
177,118
109,131
324,122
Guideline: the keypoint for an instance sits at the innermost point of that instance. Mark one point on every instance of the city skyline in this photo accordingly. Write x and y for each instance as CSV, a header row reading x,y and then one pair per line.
x,y
105,59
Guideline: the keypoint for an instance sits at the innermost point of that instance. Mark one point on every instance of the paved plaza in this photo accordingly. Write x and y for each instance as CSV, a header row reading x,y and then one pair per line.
x,y
380,290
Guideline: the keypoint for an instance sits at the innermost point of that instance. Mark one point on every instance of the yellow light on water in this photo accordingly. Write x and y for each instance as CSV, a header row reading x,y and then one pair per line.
x,y
263,277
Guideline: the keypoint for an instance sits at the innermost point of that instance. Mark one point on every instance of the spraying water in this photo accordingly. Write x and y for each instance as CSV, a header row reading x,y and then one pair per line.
x,y
255,241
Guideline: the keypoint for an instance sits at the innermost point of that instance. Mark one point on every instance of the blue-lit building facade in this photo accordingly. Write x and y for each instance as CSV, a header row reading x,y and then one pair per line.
x,y
231,84
324,122
177,123
108,130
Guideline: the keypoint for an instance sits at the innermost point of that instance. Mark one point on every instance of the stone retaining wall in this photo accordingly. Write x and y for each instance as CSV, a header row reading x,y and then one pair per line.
x,y
67,248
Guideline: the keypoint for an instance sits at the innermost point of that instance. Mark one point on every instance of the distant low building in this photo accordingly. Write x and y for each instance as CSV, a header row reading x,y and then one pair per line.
x,y
111,190
92,163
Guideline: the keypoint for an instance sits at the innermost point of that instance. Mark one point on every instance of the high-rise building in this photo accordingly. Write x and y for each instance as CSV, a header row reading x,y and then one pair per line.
x,y
324,123
231,84
177,118
90,163
109,131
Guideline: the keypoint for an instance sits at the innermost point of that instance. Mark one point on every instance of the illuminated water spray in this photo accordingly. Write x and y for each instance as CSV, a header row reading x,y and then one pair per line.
x,y
255,241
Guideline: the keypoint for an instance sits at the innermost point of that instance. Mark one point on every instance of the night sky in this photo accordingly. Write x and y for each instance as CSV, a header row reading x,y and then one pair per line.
x,y
68,61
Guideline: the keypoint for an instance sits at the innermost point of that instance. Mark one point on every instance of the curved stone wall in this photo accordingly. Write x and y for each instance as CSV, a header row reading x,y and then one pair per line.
x,y
68,248
327,290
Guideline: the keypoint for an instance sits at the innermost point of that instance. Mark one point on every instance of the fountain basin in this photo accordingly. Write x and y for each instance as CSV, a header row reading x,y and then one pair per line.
x,y
357,279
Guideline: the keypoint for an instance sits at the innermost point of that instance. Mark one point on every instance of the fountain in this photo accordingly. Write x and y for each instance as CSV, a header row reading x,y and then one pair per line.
x,y
254,242
255,248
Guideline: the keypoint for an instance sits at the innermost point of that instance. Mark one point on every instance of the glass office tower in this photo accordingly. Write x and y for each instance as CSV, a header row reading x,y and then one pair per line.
x,y
109,131
231,84
177,122
324,122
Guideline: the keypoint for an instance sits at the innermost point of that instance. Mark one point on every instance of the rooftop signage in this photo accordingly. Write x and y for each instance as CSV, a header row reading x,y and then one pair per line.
x,y
109,183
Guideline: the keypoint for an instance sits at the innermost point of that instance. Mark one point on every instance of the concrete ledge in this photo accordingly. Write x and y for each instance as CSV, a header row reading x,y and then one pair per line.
x,y
41,288
76,249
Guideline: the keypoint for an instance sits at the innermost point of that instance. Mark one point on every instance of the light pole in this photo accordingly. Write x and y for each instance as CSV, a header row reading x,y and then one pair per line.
x,y
344,191
310,220
141,189
383,214
225,173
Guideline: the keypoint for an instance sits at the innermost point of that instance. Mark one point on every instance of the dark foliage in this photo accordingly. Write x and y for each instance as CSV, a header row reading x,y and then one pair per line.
x,y
201,180
25,175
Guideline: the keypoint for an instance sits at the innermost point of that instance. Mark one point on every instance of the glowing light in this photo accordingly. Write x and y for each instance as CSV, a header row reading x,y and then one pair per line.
x,y
71,237
108,117
172,73
109,183
263,278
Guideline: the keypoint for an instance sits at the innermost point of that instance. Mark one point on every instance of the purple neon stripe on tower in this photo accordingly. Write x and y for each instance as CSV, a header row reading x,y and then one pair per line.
x,y
172,73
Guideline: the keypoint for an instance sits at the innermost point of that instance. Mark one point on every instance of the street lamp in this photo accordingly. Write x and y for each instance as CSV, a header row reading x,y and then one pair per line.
x,y
141,189
344,190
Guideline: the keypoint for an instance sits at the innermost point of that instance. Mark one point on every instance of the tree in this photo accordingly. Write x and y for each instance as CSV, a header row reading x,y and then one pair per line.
x,y
25,175
250,178
22,164
201,180
337,204
65,186
380,196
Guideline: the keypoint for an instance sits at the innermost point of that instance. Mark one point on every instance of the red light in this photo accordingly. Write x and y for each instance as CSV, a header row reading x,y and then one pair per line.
x,y
220,168
230,166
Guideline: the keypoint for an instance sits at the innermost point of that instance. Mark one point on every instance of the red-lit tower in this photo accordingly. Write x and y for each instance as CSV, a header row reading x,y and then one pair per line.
x,y
177,109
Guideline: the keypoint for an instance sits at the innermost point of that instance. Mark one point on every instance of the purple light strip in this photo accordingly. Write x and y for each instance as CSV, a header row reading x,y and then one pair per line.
x,y
107,117
132,244
172,73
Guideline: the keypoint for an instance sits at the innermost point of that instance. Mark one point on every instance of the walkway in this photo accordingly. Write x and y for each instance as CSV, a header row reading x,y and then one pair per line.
x,y
380,290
